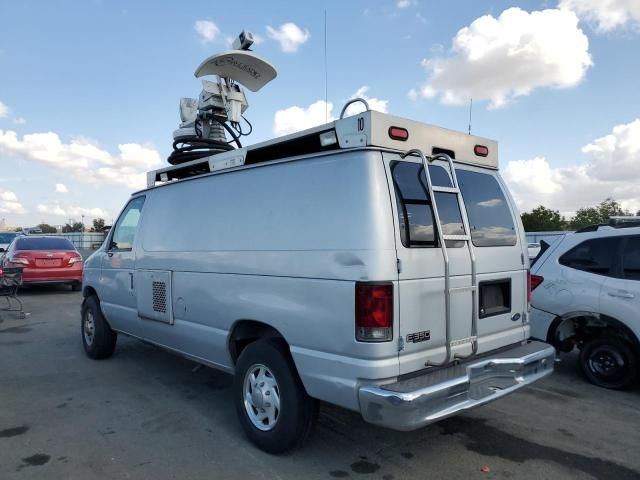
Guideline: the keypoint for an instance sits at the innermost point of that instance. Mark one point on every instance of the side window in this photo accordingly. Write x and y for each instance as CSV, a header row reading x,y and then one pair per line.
x,y
631,259
490,219
125,230
415,215
595,256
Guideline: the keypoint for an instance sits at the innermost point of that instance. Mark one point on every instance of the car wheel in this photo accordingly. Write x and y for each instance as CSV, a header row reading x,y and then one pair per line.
x,y
274,409
98,339
609,362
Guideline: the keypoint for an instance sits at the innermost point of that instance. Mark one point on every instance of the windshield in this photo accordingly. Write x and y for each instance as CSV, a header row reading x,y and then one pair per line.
x,y
44,243
7,237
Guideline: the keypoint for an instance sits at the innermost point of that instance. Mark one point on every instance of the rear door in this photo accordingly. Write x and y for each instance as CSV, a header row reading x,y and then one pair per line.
x,y
498,252
620,297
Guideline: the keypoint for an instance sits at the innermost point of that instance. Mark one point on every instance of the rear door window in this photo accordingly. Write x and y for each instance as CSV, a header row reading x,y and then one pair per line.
x,y
415,213
594,256
631,259
490,218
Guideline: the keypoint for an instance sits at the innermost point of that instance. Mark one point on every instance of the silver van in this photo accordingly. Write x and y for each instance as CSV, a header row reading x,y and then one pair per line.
x,y
373,262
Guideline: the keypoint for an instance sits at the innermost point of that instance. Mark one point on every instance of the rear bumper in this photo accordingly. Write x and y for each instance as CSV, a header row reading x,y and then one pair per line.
x,y
418,401
52,275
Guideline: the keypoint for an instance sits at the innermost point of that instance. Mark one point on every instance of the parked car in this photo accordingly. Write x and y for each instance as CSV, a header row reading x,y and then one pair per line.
x,y
316,271
586,294
45,259
6,238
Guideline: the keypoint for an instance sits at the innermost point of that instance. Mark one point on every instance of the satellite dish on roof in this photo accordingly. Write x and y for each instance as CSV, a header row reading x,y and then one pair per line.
x,y
218,111
243,66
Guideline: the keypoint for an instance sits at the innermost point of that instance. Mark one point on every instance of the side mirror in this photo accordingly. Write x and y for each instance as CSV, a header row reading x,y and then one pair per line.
x,y
2,249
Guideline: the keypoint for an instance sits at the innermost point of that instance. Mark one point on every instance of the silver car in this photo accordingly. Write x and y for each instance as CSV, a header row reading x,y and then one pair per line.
x,y
338,264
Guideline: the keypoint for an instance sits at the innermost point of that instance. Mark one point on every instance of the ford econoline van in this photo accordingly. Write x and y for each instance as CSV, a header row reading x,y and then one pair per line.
x,y
374,262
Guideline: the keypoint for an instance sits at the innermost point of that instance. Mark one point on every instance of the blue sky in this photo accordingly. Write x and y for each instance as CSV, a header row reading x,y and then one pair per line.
x,y
81,79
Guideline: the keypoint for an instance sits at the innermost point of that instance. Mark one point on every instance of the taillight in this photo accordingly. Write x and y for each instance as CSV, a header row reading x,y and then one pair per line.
x,y
374,312
19,260
73,260
532,283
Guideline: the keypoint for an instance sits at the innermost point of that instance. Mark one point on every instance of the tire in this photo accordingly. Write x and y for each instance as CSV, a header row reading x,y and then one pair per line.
x,y
294,421
75,287
98,339
609,362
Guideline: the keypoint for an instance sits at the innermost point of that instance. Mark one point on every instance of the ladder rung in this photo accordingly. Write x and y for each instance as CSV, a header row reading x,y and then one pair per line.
x,y
456,237
446,189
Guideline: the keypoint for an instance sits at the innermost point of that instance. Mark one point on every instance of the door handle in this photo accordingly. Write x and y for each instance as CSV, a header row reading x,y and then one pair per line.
x,y
110,254
621,295
131,280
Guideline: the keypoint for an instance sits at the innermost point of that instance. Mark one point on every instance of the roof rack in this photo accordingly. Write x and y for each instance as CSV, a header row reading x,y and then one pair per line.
x,y
366,129
614,222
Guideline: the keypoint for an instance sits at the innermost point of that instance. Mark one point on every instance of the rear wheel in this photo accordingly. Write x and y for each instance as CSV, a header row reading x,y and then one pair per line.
x,y
98,339
273,408
609,362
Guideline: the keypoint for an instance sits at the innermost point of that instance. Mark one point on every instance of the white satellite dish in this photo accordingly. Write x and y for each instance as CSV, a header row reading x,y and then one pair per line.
x,y
242,66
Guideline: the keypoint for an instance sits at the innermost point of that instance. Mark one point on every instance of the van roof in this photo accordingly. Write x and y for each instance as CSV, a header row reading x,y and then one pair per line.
x,y
366,129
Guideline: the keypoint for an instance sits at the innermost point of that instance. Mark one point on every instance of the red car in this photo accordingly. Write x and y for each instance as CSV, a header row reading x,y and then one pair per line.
x,y
45,260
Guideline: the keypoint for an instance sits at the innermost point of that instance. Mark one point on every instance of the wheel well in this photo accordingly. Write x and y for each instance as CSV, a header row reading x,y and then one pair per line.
x,y
575,329
245,332
88,292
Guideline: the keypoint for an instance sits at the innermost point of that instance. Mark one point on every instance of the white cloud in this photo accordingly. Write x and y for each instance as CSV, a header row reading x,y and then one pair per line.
x,y
612,170
289,35
83,158
70,211
9,203
4,110
19,121
405,3
206,30
606,14
61,188
294,119
498,59
374,103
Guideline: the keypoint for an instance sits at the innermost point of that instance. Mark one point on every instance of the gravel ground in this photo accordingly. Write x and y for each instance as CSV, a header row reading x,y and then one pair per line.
x,y
146,414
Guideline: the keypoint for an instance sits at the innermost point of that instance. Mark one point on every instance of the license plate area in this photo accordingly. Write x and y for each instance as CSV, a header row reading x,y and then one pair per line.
x,y
495,297
48,262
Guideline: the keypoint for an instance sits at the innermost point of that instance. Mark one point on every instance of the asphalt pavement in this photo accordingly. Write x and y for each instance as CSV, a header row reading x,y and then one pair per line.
x,y
148,414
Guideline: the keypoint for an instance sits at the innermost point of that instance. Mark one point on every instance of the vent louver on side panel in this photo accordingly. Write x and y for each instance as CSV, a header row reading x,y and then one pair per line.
x,y
159,290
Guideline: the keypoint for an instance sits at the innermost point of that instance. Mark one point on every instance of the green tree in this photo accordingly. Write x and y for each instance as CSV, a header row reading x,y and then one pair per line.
x,y
542,219
74,227
98,224
46,228
595,215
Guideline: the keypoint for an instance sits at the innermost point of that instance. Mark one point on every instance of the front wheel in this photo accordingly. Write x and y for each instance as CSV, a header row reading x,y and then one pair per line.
x,y
609,362
98,339
272,405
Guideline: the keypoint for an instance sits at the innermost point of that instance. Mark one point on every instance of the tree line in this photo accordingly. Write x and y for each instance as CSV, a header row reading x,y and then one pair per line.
x,y
98,226
542,219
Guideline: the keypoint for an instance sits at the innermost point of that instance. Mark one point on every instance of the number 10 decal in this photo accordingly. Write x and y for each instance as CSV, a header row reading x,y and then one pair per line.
x,y
361,124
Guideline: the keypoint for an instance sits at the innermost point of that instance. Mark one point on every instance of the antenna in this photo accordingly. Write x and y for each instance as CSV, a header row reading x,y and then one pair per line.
x,y
470,110
326,76
219,109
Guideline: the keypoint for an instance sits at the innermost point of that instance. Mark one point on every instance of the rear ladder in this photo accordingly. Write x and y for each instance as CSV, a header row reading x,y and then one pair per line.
x,y
442,238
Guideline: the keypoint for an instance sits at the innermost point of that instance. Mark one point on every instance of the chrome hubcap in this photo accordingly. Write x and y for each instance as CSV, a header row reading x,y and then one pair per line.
x,y
88,327
261,397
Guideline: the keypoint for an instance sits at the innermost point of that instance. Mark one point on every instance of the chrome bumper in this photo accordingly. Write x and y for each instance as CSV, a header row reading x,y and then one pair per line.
x,y
413,403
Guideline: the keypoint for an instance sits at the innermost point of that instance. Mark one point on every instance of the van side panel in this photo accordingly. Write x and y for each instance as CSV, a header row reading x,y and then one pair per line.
x,y
282,245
